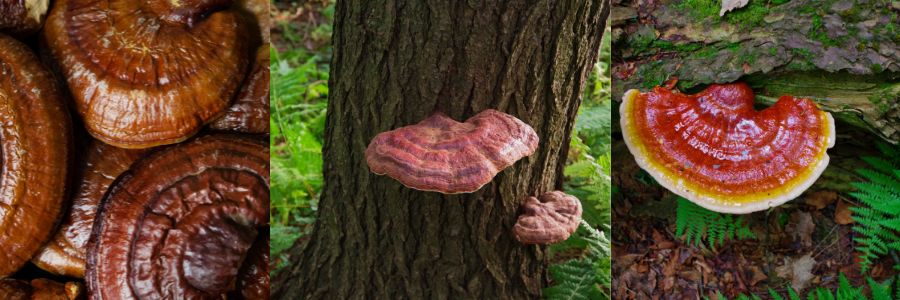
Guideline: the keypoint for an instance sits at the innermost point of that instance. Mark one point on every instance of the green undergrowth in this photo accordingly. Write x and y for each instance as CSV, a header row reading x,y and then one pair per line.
x,y
879,216
877,291
694,222
299,93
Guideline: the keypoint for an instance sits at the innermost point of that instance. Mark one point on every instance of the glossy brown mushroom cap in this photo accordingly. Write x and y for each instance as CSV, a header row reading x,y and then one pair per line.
x,y
550,220
180,221
97,165
442,155
715,149
147,73
253,277
14,289
21,18
36,154
256,13
250,111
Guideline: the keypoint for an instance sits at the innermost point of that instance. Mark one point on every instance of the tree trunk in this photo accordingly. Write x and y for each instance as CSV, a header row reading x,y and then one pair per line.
x,y
396,61
842,54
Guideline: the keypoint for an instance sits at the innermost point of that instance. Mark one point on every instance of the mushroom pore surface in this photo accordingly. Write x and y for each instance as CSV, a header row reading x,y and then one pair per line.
x,y
181,221
440,154
35,151
548,220
716,150
147,73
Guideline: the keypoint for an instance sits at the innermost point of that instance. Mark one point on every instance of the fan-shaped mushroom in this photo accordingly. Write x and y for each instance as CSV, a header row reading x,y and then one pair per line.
x,y
714,149
36,151
146,73
250,111
96,166
181,221
253,277
21,18
550,220
440,154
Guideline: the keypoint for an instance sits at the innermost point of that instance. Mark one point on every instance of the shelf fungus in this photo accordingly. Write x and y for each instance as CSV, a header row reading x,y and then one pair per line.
x,y
549,220
21,18
147,73
96,166
182,222
35,151
250,111
714,149
442,155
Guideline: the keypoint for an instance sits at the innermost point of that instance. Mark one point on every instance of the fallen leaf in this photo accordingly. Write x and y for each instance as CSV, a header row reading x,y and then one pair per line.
x,y
804,228
842,214
754,275
797,270
821,198
662,242
728,5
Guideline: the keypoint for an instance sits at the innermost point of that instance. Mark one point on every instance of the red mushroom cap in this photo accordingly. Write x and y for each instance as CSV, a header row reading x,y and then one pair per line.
x,y
442,155
548,221
714,149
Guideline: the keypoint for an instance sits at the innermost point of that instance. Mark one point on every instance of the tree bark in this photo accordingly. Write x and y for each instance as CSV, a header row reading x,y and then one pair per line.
x,y
841,54
396,61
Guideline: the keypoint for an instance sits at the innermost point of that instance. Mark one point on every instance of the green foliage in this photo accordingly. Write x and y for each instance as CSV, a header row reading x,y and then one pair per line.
x,y
844,291
879,217
583,278
693,221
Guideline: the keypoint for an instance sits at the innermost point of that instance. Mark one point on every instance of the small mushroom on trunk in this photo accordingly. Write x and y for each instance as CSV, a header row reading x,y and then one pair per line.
x,y
550,220
715,149
36,153
21,18
147,73
442,155
182,221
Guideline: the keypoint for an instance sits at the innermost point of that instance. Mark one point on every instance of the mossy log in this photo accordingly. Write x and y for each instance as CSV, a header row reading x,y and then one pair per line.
x,y
845,55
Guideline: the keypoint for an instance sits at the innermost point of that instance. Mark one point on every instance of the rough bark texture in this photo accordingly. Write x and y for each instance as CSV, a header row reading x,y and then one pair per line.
x,y
396,61
842,54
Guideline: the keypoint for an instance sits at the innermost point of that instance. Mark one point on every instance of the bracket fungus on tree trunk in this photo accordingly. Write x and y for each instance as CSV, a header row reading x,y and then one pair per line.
x,y
21,18
147,73
716,150
181,222
550,220
96,166
36,153
442,155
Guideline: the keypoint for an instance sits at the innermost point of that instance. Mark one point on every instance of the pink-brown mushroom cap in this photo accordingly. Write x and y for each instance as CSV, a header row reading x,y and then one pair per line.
x,y
442,155
552,219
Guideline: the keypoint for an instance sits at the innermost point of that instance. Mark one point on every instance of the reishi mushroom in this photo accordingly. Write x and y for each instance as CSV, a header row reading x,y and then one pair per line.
x,y
552,219
715,149
36,153
21,18
147,73
250,111
96,166
182,221
41,289
442,155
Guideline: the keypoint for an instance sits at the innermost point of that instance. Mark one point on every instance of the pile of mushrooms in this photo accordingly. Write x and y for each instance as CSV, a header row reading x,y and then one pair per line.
x,y
135,150
715,149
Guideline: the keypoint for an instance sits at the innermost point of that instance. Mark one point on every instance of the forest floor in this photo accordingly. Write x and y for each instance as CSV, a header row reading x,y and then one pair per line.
x,y
805,243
